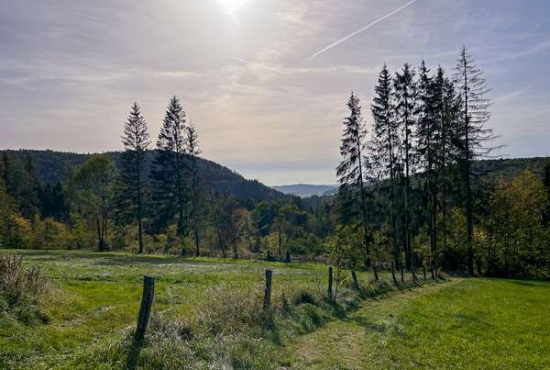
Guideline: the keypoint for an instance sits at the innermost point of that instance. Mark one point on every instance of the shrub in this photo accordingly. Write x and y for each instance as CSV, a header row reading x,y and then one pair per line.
x,y
21,289
17,232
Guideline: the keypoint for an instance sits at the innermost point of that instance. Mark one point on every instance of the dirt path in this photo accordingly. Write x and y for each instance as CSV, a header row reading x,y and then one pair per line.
x,y
352,343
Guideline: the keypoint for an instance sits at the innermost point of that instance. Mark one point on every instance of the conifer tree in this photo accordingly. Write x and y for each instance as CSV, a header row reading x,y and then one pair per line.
x,y
447,151
385,146
427,135
169,169
134,167
470,84
405,107
351,170
195,214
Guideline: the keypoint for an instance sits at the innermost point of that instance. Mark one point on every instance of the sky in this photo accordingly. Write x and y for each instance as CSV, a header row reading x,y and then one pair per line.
x,y
264,81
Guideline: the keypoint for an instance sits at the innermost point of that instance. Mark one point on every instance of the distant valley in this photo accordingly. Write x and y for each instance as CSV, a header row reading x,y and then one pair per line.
x,y
307,190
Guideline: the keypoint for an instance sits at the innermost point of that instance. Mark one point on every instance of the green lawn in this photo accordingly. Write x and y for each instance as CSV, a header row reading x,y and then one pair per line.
x,y
465,324
205,316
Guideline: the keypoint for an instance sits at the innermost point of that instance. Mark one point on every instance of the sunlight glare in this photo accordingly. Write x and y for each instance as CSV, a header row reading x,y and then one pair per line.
x,y
232,5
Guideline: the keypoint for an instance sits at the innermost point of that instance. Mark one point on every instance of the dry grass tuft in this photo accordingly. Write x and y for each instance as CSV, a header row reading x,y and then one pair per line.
x,y
21,290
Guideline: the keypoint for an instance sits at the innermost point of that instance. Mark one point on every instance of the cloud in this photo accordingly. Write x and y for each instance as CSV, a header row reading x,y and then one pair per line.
x,y
540,47
255,64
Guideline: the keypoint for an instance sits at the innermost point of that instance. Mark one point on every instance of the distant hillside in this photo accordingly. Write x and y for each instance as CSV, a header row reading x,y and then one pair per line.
x,y
509,168
487,170
55,166
306,190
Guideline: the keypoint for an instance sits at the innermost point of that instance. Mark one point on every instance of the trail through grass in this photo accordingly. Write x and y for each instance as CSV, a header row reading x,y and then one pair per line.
x,y
469,324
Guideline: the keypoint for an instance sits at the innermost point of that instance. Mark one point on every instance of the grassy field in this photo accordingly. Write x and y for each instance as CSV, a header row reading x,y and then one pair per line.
x,y
468,324
207,315
94,300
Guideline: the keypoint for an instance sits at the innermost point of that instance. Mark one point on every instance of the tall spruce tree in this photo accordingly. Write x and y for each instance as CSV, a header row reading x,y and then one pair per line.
x,y
405,107
427,136
447,152
133,169
470,84
169,169
195,214
385,146
351,170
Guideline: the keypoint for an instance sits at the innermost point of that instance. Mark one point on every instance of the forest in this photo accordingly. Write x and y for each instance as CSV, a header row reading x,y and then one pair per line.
x,y
417,191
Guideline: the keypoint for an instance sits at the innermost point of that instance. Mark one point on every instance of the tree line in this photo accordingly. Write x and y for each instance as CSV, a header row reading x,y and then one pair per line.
x,y
410,189
412,193
155,200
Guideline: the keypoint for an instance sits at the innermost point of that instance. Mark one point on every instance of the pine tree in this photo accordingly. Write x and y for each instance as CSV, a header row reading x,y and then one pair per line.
x,y
405,107
427,135
194,152
134,167
447,152
470,84
169,169
351,170
385,146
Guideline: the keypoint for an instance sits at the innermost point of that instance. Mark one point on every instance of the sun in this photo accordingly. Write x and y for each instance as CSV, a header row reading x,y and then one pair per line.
x,y
231,6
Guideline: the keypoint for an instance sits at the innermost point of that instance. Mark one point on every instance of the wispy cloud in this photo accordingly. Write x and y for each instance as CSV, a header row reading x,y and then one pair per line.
x,y
540,47
256,64
344,39
307,70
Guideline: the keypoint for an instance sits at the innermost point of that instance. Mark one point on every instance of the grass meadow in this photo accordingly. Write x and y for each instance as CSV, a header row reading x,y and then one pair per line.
x,y
207,314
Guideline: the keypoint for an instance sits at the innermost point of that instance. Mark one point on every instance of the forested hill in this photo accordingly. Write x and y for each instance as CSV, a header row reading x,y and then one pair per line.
x,y
510,168
54,166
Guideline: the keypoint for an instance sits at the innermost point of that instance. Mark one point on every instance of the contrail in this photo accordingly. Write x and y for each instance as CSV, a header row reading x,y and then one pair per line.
x,y
257,64
336,43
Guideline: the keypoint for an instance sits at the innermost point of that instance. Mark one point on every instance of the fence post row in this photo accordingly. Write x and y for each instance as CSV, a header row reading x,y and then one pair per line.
x,y
267,296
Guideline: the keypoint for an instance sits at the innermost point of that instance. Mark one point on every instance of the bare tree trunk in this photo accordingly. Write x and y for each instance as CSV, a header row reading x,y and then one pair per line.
x,y
101,245
140,236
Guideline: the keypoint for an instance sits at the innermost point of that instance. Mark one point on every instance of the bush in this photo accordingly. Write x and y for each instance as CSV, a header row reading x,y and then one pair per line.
x,y
17,232
20,290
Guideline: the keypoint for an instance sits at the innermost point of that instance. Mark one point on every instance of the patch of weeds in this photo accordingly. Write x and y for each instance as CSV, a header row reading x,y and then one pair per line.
x,y
21,290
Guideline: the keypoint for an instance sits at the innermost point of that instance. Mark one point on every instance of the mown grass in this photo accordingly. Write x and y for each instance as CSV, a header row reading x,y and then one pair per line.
x,y
479,323
206,314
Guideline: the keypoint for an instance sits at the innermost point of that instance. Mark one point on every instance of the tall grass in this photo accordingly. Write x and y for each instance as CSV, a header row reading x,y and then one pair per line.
x,y
21,290
230,330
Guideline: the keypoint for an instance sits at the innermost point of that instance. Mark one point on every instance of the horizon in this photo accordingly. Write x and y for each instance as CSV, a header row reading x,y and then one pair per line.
x,y
271,185
265,82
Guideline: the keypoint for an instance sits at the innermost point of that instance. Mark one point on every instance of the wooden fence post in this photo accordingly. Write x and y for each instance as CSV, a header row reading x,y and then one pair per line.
x,y
145,308
142,320
267,296
355,281
424,266
330,283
